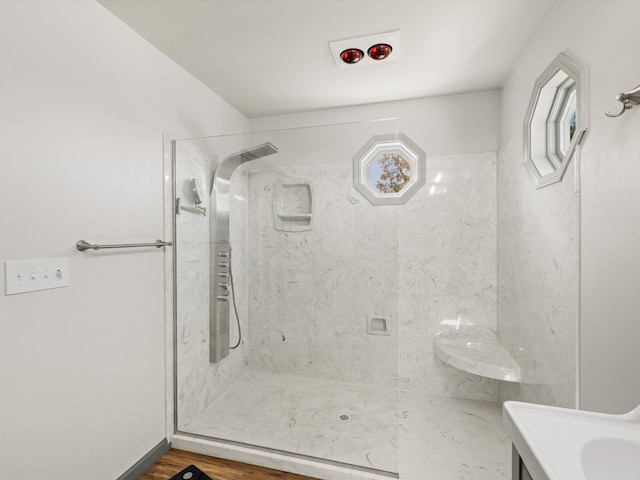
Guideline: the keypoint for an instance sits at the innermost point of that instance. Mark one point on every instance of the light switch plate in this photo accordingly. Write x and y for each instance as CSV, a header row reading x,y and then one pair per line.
x,y
31,275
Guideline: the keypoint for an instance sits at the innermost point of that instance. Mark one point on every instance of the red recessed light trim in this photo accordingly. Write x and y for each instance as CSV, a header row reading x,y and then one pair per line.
x,y
352,55
379,51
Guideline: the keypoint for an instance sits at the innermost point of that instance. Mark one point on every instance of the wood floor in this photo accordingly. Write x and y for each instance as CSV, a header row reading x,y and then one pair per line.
x,y
176,460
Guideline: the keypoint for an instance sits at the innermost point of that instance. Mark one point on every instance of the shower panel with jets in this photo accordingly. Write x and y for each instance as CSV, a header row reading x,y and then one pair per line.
x,y
221,280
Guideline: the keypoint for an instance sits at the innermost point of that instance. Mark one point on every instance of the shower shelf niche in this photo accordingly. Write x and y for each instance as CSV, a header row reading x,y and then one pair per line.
x,y
486,358
293,205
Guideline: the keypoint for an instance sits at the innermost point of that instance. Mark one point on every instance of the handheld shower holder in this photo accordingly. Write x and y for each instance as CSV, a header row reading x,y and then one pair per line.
x,y
197,209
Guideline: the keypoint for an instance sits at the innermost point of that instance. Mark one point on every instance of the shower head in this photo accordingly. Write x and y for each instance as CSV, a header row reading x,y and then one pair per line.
x,y
228,165
253,153
195,188
259,152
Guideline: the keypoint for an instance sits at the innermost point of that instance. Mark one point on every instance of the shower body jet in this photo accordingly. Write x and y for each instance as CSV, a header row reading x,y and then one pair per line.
x,y
220,249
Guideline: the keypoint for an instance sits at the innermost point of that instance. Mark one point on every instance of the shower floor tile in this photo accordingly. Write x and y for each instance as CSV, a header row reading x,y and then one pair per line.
x,y
418,435
448,438
302,416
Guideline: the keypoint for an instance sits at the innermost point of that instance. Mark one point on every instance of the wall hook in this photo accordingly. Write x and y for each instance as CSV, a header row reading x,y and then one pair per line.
x,y
628,100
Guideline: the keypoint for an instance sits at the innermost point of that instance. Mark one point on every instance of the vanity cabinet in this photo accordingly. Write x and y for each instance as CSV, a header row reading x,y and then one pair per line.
x,y
518,469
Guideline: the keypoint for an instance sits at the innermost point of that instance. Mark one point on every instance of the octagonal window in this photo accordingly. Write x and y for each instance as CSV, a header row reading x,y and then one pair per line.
x,y
555,121
389,169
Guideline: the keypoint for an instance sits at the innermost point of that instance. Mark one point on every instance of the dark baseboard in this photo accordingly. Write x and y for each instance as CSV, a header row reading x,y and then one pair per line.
x,y
146,462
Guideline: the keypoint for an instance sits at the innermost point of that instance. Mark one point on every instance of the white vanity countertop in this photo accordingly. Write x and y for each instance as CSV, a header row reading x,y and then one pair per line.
x,y
564,444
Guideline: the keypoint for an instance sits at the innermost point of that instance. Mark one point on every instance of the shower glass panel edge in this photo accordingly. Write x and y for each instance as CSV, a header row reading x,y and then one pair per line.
x,y
306,368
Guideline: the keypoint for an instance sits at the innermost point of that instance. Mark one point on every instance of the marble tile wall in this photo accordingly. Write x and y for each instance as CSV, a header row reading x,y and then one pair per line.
x,y
311,291
447,253
429,265
538,272
200,383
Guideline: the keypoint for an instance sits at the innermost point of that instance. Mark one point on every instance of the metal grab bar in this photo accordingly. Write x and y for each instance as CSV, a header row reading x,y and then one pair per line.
x,y
83,245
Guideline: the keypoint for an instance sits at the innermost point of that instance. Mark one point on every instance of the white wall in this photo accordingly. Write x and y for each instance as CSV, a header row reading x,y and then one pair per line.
x,y
600,35
448,125
84,103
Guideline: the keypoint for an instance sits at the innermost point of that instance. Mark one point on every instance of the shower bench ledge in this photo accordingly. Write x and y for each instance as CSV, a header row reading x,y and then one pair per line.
x,y
481,357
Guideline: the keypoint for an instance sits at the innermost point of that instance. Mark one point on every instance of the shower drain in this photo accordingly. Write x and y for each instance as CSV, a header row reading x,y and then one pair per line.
x,y
344,417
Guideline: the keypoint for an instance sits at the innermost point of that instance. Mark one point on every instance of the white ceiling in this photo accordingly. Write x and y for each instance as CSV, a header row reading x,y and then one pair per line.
x,y
269,57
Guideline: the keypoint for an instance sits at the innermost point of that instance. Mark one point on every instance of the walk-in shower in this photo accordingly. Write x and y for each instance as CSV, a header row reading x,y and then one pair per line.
x,y
311,380
221,272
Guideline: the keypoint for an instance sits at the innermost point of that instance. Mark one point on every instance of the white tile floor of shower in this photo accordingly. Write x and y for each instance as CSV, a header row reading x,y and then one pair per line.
x,y
420,436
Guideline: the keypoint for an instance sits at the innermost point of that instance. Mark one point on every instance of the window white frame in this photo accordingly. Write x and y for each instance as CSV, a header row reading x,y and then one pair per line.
x,y
368,155
558,92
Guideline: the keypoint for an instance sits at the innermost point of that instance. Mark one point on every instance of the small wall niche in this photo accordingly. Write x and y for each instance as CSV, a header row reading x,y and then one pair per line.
x,y
379,324
293,205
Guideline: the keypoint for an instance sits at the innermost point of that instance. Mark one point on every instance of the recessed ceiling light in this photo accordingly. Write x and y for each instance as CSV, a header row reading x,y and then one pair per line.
x,y
352,55
380,51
